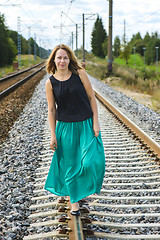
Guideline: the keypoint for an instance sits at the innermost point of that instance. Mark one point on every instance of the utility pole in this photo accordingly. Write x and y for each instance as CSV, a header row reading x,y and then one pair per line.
x,y
157,56
76,40
40,48
19,41
35,50
110,38
72,41
76,31
29,43
83,20
124,32
134,48
144,56
83,25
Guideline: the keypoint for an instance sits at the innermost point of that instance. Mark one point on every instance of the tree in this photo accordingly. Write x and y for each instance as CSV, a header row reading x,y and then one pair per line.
x,y
147,38
125,52
151,45
13,35
105,46
12,51
116,46
3,42
98,37
7,46
136,37
24,45
137,42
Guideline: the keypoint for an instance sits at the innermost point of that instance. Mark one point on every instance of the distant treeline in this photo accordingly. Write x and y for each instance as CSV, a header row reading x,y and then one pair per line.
x,y
8,45
150,42
148,45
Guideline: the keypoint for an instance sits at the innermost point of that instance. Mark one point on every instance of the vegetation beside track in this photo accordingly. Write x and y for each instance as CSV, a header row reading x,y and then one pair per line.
x,y
26,62
132,76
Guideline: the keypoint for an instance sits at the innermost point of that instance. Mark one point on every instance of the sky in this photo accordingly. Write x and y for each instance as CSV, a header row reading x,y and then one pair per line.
x,y
53,22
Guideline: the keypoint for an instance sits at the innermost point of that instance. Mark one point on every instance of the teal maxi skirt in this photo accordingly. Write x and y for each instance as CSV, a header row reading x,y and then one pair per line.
x,y
78,164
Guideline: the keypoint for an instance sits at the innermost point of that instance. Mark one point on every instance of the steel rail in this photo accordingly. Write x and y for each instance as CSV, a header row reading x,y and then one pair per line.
x,y
68,228
47,205
154,146
16,74
125,237
19,83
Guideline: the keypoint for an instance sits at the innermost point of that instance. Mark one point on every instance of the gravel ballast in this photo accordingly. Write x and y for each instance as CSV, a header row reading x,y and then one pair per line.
x,y
20,156
142,116
20,153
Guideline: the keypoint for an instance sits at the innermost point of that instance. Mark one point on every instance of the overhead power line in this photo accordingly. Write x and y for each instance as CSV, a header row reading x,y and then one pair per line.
x,y
8,5
142,20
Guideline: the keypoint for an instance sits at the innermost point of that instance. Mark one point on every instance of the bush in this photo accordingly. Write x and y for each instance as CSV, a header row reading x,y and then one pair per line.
x,y
128,75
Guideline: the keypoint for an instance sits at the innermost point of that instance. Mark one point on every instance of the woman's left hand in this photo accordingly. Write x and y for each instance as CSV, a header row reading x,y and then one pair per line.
x,y
96,129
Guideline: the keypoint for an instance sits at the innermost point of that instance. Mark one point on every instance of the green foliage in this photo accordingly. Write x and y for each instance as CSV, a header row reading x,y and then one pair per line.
x,y
8,45
125,52
7,48
25,64
105,46
150,42
98,37
116,46
147,38
132,76
138,43
135,60
24,45
13,35
12,51
136,37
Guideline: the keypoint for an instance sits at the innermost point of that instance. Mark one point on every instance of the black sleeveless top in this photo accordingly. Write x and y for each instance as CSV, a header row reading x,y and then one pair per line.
x,y
72,101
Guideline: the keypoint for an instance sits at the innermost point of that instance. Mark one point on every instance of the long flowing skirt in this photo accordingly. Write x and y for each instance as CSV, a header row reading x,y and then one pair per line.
x,y
78,164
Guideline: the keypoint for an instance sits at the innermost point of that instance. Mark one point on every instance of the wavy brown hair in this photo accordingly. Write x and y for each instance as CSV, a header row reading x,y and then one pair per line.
x,y
73,65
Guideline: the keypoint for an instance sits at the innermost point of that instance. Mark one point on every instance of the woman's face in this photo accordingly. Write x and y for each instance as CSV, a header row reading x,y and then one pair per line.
x,y
61,60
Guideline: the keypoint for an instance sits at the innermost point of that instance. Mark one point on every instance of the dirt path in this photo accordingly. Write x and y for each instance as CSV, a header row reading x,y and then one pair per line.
x,y
142,98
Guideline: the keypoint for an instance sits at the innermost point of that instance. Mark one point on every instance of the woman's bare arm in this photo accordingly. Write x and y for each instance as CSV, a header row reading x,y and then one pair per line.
x,y
92,99
51,114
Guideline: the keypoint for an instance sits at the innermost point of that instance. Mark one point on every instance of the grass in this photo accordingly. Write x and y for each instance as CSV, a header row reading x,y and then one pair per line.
x,y
131,76
136,61
25,63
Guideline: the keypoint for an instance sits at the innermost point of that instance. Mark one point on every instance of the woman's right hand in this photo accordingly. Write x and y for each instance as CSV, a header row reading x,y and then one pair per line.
x,y
53,143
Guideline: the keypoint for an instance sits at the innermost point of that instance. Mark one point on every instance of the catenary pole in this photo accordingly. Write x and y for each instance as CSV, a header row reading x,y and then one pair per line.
x,y
76,40
83,38
19,41
29,43
35,48
110,38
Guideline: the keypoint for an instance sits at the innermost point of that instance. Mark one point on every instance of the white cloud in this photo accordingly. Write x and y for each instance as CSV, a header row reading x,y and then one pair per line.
x,y
140,16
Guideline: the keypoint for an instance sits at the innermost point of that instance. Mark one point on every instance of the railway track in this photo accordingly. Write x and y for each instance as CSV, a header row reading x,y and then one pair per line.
x,y
129,204
10,83
15,91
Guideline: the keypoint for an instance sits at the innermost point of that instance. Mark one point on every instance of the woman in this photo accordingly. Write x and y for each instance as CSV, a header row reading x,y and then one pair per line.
x,y
78,163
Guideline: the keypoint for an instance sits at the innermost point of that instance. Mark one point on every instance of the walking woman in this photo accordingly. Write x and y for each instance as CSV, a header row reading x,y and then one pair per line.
x,y
78,164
